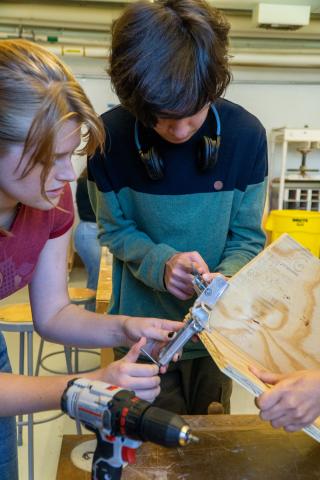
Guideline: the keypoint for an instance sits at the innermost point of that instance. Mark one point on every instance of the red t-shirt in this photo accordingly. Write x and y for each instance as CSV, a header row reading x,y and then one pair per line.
x,y
30,230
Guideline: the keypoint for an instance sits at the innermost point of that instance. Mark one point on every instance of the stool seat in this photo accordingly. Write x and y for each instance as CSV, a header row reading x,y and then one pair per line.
x,y
21,312
17,313
81,295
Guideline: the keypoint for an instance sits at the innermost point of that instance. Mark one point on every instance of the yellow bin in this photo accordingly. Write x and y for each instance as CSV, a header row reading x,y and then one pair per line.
x,y
302,225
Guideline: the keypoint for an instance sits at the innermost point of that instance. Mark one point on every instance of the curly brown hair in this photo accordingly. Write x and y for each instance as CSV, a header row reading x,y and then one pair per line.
x,y
169,58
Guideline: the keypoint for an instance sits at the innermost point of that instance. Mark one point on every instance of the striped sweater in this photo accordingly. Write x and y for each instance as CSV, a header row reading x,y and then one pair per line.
x,y
145,222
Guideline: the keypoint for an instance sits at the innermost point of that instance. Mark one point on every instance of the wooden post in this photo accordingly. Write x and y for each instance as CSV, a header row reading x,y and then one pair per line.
x,y
104,290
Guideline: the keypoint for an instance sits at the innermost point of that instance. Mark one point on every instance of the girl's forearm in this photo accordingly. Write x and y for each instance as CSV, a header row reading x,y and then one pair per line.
x,y
21,394
76,326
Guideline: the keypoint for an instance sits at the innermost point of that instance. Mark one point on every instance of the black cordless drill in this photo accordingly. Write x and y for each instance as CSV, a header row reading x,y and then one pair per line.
x,y
121,421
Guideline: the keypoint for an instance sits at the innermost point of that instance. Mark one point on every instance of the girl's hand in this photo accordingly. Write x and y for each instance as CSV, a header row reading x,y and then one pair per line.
x,y
142,378
152,328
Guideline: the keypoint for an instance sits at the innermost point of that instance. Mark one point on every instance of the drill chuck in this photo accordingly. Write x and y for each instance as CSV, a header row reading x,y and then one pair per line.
x,y
139,420
164,428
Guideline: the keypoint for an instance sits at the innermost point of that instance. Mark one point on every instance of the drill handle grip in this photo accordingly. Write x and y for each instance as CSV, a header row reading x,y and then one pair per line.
x,y
102,459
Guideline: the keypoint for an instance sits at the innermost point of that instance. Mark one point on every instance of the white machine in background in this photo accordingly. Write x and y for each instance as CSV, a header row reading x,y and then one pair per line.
x,y
299,188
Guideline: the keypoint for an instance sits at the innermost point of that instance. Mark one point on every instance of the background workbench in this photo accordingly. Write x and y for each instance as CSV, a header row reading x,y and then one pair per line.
x,y
231,447
103,295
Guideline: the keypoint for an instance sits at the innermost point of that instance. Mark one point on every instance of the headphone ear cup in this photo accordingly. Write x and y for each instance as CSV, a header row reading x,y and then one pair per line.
x,y
207,154
153,163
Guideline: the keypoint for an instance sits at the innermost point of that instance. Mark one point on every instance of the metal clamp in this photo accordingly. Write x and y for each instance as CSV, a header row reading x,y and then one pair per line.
x,y
197,320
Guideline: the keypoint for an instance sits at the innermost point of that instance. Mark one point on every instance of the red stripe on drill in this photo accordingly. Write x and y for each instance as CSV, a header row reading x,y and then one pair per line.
x,y
128,455
89,411
124,413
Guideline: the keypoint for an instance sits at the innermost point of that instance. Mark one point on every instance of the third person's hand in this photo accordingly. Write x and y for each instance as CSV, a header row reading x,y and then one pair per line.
x,y
178,273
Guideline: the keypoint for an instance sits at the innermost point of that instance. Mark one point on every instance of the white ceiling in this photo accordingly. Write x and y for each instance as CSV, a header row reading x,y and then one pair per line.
x,y
93,18
225,4
240,5
249,5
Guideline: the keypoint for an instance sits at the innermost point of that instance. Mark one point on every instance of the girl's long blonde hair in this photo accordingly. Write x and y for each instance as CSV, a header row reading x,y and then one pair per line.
x,y
38,93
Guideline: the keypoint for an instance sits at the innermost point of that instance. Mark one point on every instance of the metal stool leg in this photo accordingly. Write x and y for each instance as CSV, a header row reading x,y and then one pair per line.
x,y
76,360
36,373
68,354
40,358
78,427
30,417
21,372
79,296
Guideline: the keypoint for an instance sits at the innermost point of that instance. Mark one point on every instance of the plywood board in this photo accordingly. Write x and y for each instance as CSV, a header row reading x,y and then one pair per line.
x,y
269,317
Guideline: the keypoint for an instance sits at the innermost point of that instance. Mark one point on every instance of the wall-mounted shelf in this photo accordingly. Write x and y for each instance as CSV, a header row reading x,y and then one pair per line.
x,y
286,136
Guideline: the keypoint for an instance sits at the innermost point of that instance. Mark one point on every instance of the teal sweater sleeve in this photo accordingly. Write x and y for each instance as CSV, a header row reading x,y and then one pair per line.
x,y
246,237
145,258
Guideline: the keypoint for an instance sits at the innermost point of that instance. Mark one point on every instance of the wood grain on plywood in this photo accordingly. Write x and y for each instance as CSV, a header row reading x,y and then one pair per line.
x,y
269,316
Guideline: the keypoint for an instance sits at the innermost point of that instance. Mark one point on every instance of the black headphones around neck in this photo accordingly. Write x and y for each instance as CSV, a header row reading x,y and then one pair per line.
x,y
207,152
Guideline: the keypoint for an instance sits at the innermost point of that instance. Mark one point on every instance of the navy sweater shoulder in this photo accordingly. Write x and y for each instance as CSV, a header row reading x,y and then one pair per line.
x,y
242,158
86,214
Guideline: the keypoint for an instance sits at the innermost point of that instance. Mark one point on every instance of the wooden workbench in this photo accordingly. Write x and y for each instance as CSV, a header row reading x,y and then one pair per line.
x,y
104,287
103,295
231,447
